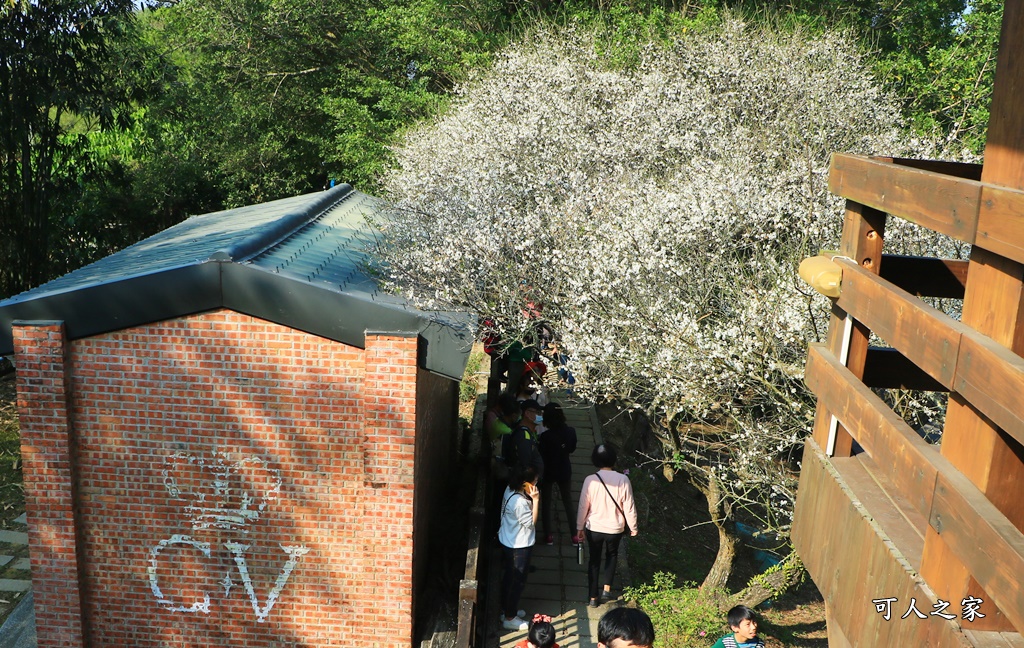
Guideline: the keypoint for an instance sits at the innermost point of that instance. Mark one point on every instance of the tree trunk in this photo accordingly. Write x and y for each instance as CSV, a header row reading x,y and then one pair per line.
x,y
771,583
721,518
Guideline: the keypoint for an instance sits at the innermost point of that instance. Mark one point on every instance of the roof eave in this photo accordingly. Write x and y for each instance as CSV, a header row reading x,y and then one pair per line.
x,y
445,338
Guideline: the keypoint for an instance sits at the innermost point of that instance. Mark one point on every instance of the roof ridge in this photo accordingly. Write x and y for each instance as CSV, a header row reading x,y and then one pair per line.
x,y
284,227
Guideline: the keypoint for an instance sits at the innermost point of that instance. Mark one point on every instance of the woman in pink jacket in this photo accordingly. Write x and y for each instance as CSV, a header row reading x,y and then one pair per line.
x,y
605,513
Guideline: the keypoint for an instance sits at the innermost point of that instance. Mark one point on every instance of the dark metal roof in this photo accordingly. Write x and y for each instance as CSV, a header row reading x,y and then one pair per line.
x,y
299,262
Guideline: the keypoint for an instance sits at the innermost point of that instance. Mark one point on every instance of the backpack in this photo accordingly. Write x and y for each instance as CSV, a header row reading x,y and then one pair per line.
x,y
509,448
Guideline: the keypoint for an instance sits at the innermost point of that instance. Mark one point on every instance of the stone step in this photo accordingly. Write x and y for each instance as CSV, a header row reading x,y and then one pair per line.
x,y
14,537
11,585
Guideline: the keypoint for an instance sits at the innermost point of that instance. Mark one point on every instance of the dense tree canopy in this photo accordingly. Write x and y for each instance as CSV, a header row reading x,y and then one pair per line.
x,y
59,74
658,214
191,106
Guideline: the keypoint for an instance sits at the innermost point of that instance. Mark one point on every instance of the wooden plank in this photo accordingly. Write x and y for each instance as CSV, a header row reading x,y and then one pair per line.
x,y
475,537
890,369
873,488
936,201
988,639
1004,144
988,544
903,321
991,377
967,170
926,276
836,638
1014,639
852,560
1001,222
810,509
903,457
466,629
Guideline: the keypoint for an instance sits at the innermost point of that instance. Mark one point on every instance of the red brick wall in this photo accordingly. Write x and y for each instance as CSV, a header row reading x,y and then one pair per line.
x,y
47,448
214,454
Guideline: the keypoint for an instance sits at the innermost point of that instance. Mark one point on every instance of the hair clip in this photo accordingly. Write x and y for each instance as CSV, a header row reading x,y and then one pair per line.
x,y
538,618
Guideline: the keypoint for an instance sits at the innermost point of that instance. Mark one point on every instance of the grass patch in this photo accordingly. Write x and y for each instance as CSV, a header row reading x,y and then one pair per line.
x,y
469,385
12,494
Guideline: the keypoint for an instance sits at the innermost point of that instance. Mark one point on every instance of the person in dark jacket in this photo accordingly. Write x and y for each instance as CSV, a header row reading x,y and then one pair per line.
x,y
520,448
556,444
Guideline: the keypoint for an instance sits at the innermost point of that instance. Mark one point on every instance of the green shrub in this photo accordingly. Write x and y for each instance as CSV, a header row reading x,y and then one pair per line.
x,y
683,616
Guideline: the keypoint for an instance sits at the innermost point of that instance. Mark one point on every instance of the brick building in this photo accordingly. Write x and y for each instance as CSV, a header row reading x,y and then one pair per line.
x,y
229,433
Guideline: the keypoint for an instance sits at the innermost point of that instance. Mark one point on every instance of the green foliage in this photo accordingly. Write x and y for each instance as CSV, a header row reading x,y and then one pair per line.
x,y
286,95
11,489
683,615
135,119
948,86
469,385
59,73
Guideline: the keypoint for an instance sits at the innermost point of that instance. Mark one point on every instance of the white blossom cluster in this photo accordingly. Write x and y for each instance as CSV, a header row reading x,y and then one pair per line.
x,y
658,213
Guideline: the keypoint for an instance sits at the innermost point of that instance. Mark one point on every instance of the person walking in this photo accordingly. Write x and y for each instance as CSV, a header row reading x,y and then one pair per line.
x,y
556,444
519,511
606,511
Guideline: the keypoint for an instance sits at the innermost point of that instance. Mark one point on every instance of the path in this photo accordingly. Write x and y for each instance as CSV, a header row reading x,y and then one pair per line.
x,y
558,587
18,630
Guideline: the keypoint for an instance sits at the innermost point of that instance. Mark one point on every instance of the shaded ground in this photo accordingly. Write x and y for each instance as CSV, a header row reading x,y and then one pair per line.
x,y
677,537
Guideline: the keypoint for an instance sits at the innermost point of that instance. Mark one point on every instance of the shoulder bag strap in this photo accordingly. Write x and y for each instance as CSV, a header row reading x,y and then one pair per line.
x,y
614,501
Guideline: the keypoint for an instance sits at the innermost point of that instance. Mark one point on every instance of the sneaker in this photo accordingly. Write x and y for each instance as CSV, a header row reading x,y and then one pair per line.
x,y
521,614
515,623
607,596
549,539
593,603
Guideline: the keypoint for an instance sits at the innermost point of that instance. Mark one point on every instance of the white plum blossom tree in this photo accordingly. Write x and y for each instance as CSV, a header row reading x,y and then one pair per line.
x,y
658,212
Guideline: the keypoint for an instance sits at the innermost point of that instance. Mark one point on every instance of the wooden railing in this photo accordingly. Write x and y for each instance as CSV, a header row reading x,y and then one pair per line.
x,y
959,495
469,599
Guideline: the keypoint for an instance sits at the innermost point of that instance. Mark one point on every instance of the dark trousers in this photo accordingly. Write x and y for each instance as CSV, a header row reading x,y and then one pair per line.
x,y
516,563
599,543
547,514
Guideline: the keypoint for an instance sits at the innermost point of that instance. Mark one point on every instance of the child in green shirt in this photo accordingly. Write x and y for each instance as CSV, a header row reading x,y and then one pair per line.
x,y
743,623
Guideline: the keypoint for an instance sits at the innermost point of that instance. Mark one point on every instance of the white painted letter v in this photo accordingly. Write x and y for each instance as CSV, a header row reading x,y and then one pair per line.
x,y
293,551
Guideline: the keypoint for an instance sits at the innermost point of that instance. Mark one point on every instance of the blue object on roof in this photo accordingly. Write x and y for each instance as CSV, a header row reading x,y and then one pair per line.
x,y
301,262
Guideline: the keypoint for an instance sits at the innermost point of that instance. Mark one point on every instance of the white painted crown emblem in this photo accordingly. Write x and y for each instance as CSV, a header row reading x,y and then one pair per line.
x,y
221,494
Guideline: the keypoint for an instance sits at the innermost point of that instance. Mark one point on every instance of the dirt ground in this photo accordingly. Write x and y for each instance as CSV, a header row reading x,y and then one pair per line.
x,y
679,538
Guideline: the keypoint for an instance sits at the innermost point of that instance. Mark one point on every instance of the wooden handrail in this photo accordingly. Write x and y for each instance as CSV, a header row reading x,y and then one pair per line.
x,y
903,321
986,215
902,455
959,358
978,533
943,203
